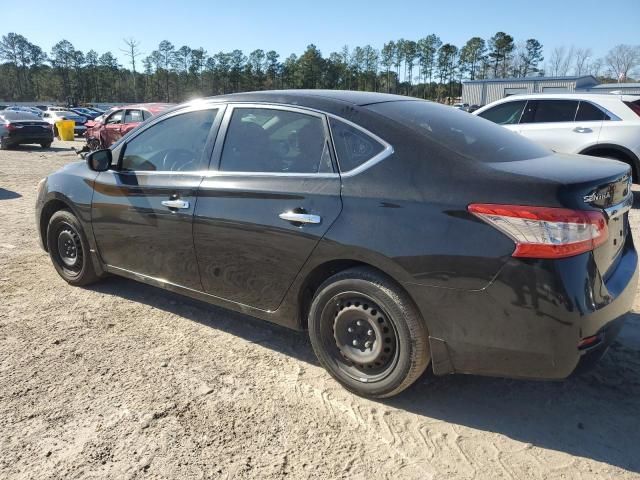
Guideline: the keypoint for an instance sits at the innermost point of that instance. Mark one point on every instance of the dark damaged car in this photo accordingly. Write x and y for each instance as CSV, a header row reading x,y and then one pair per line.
x,y
399,233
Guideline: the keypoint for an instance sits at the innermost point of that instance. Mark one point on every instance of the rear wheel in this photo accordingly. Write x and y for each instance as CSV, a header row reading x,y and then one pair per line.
x,y
69,249
45,144
367,333
4,145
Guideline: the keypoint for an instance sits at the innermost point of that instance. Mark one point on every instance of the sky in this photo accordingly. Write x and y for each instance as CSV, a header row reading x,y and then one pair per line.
x,y
289,26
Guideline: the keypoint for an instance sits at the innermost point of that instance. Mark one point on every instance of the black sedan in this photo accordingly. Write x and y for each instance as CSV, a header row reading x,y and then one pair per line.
x,y
17,128
398,232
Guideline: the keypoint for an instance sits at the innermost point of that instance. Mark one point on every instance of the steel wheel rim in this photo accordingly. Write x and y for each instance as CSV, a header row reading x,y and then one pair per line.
x,y
69,249
375,353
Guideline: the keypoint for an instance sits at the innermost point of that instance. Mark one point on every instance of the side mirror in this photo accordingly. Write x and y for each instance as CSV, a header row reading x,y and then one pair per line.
x,y
100,160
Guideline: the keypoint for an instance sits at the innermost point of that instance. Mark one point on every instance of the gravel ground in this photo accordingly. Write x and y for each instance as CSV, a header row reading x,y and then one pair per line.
x,y
123,380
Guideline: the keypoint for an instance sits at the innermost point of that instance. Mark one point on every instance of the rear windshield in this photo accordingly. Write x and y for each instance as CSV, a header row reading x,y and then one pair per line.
x,y
15,115
460,132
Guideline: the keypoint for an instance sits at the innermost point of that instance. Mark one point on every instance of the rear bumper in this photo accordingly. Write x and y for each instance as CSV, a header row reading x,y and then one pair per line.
x,y
15,139
529,321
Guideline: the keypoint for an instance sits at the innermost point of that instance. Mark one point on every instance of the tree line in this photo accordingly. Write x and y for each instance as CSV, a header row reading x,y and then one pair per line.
x,y
426,68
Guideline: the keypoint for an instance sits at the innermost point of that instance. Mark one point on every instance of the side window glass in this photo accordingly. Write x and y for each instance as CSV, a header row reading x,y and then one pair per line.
x,y
172,145
504,114
133,116
145,115
588,112
353,146
115,118
548,111
275,141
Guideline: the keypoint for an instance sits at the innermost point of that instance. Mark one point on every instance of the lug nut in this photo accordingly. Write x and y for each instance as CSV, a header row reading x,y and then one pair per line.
x,y
370,333
359,323
350,330
367,345
355,343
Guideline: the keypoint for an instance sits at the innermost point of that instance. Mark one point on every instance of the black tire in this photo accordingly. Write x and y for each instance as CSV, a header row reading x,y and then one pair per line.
x,y
69,249
345,310
45,144
56,133
4,145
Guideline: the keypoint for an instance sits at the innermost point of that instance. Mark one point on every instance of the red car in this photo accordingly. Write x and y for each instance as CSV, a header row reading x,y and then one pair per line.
x,y
108,128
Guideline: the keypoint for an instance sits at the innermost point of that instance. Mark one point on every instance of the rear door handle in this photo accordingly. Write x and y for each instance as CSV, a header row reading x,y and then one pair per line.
x,y
582,130
175,203
300,217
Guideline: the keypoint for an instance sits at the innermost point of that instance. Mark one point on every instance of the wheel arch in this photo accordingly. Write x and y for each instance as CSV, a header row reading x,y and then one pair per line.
x,y
321,272
617,151
52,205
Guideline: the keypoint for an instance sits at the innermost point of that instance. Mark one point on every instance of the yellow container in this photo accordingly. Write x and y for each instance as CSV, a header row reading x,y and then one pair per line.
x,y
66,129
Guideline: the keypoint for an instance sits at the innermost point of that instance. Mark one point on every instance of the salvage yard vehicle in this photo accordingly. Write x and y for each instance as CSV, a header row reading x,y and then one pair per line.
x,y
19,128
398,232
601,125
109,127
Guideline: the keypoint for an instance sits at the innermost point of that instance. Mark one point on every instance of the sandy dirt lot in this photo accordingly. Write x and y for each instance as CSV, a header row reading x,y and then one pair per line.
x,y
123,380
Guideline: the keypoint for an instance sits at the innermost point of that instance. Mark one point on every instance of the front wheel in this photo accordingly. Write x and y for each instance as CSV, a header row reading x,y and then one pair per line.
x,y
367,333
69,249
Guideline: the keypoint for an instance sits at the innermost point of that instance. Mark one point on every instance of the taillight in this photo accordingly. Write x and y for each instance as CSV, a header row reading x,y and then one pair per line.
x,y
12,127
546,232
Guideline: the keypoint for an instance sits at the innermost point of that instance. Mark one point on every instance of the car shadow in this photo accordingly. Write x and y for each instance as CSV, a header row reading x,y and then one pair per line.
x,y
593,415
8,194
38,148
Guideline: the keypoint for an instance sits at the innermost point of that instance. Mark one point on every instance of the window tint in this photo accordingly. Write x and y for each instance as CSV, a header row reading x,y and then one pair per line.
x,y
277,141
115,117
505,113
172,145
353,146
589,112
459,132
133,116
540,111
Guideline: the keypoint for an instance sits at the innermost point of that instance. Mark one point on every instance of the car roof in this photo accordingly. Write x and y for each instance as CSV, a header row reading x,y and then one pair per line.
x,y
307,97
18,115
152,107
574,96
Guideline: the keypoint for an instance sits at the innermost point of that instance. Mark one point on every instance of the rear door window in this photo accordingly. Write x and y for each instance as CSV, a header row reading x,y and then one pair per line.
x,y
588,112
506,113
353,146
275,141
549,111
133,116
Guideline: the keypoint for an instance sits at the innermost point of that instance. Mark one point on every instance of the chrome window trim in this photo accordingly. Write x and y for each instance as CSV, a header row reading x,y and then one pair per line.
x,y
229,107
387,151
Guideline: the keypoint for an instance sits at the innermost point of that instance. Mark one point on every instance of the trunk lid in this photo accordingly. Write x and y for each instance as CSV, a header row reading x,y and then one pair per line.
x,y
585,183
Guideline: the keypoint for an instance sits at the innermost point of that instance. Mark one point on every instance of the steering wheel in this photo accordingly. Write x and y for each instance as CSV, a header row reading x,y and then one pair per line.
x,y
176,156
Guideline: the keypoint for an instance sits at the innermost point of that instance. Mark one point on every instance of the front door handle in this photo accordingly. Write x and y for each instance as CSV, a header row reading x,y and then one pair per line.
x,y
582,130
300,217
175,203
